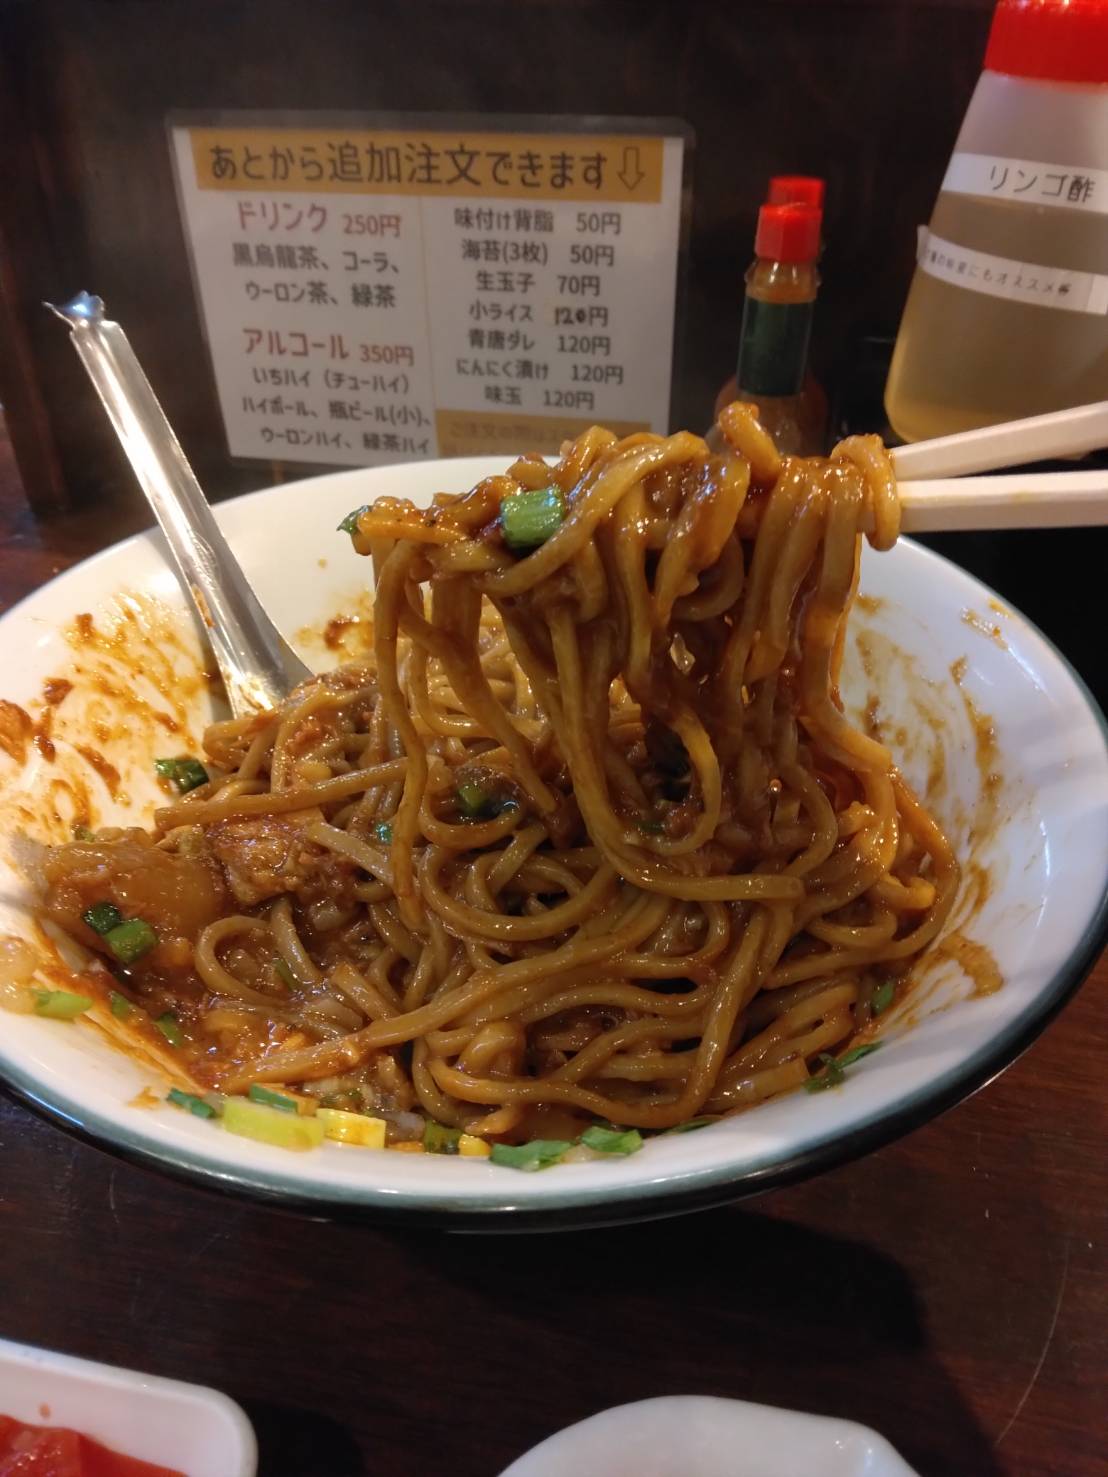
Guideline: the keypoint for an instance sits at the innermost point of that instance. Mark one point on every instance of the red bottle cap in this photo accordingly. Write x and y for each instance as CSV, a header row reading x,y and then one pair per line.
x,y
788,233
796,189
1053,40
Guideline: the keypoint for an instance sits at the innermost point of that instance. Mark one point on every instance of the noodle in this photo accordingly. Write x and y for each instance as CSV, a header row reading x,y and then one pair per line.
x,y
592,835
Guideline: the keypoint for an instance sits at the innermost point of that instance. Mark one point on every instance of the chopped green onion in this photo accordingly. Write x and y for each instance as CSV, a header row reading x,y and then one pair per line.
x,y
350,1100
692,1125
121,1006
269,1126
650,827
60,1005
882,997
474,801
833,1073
259,1094
184,773
167,1025
383,832
438,1139
102,917
856,1054
82,833
190,1103
538,1154
830,1076
612,1140
528,519
350,523
353,1128
131,940
284,973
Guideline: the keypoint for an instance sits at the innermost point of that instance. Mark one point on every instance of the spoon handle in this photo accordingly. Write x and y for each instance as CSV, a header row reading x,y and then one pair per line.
x,y
257,665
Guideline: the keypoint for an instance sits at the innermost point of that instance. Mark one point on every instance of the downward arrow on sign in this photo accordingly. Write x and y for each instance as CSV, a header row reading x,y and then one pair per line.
x,y
630,171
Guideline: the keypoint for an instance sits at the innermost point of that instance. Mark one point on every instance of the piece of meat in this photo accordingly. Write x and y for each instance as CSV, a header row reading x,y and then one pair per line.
x,y
264,855
177,895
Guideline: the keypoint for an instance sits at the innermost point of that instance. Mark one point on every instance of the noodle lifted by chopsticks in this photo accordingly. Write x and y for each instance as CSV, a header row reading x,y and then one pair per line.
x,y
593,834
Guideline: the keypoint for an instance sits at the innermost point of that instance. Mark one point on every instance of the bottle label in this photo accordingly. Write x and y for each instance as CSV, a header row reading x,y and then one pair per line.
x,y
1021,282
1071,186
773,346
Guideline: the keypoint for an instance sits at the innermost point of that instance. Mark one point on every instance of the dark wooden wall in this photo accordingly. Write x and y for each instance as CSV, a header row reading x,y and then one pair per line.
x,y
869,94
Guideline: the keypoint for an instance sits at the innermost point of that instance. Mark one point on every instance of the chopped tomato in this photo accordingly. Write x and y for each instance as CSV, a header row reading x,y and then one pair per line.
x,y
29,1451
49,1451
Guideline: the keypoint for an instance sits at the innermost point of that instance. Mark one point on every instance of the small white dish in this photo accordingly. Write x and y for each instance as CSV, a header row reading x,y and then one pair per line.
x,y
185,1427
705,1436
1014,751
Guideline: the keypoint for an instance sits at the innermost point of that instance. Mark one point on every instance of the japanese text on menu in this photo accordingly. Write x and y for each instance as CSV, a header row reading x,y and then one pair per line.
x,y
372,296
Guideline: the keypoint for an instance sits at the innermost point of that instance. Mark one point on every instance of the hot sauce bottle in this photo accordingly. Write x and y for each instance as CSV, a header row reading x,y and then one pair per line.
x,y
781,287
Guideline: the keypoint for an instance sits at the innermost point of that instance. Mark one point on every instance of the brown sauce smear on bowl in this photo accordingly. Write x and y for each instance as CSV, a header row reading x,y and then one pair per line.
x,y
348,634
985,626
975,961
133,678
921,738
16,730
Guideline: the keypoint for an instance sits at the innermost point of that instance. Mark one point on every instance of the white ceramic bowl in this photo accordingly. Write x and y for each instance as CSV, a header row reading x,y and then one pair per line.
x,y
1015,751
702,1435
185,1427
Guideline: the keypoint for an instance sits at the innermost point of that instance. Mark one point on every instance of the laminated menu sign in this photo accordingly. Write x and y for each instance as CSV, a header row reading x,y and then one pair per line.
x,y
386,291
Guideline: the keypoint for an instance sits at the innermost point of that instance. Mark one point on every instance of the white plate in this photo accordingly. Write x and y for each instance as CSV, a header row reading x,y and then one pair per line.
x,y
186,1427
1038,868
704,1436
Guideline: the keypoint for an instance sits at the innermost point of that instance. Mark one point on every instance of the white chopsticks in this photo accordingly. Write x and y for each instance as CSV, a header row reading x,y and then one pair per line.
x,y
937,496
1011,444
1039,500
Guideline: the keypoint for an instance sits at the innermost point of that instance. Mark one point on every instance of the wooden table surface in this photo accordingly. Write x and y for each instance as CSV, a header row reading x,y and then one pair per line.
x,y
950,1290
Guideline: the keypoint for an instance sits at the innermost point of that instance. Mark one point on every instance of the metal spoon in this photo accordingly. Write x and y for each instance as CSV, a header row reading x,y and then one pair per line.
x,y
257,665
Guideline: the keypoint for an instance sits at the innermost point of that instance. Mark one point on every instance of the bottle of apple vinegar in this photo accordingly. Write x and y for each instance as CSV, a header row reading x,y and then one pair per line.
x,y
1007,315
